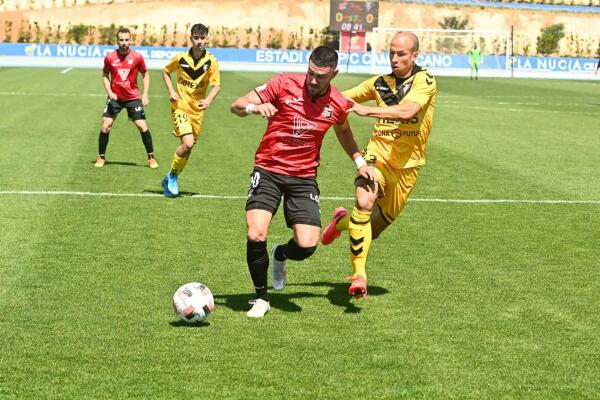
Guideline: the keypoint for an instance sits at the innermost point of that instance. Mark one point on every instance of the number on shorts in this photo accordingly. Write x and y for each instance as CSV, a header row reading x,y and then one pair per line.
x,y
255,180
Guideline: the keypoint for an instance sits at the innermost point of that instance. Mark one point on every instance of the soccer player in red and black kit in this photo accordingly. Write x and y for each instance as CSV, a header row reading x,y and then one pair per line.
x,y
119,77
300,108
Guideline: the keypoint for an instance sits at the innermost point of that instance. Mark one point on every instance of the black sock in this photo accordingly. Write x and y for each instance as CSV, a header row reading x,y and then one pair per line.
x,y
102,143
147,140
292,251
258,264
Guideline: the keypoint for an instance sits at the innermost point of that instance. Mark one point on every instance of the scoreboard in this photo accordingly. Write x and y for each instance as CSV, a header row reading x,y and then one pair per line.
x,y
353,16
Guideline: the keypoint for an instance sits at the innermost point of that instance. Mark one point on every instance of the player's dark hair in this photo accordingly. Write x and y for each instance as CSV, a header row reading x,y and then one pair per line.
x,y
324,57
200,29
123,30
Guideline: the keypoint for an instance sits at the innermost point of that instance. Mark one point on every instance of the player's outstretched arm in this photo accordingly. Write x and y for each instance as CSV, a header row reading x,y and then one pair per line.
x,y
173,95
404,111
252,104
346,139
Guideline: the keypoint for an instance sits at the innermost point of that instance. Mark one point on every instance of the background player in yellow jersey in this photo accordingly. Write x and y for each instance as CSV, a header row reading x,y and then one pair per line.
x,y
404,112
196,70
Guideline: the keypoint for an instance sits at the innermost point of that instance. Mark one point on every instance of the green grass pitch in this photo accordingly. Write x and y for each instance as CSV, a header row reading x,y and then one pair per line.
x,y
471,297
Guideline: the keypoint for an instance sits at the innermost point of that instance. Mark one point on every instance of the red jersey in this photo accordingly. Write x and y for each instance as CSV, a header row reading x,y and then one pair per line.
x,y
292,142
123,73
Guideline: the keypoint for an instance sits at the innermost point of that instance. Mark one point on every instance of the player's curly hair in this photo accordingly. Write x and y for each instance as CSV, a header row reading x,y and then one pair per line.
x,y
200,29
323,56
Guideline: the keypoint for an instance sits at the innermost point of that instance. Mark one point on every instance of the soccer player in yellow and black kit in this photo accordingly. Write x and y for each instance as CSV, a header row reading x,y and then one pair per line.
x,y
196,70
405,104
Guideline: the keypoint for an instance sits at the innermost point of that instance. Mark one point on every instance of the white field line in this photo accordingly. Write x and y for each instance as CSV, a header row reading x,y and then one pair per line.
x,y
64,71
226,197
517,110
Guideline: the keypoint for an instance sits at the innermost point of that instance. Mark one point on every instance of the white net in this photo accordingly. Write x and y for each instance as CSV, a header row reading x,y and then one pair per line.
x,y
446,49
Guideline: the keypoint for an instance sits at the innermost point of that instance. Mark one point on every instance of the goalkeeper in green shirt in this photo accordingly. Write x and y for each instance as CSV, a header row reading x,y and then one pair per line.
x,y
475,59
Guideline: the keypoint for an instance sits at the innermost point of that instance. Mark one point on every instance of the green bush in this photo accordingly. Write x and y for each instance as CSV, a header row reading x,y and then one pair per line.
x,y
547,41
77,33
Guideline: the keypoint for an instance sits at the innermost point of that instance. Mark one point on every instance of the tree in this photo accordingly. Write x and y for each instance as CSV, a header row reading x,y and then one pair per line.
x,y
547,41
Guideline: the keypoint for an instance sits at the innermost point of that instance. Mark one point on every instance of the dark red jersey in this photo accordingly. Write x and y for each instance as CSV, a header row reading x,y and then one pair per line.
x,y
123,73
291,144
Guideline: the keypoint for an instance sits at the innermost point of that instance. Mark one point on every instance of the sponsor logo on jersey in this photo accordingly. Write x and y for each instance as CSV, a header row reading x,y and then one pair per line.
x,y
123,73
302,125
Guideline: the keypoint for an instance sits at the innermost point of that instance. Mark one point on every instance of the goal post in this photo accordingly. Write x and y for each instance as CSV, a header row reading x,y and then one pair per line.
x,y
444,51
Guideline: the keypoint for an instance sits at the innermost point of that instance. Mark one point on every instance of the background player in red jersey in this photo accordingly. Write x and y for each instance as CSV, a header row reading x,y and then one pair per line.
x,y
300,109
119,77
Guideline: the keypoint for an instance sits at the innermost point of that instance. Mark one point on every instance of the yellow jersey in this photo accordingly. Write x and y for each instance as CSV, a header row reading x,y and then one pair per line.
x,y
193,79
400,144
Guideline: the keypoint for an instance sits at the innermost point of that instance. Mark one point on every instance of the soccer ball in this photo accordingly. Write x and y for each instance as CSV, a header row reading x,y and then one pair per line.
x,y
193,302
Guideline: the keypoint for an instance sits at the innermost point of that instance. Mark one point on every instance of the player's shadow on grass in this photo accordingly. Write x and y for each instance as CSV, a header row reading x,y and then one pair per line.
x,y
280,301
181,194
182,324
284,301
338,294
126,163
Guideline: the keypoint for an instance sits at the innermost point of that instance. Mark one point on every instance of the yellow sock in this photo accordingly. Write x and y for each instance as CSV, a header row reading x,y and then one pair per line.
x,y
359,228
178,164
342,224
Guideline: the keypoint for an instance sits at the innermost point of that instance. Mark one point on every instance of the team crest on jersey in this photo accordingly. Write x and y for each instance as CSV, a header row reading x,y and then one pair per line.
x,y
302,125
130,62
123,73
327,111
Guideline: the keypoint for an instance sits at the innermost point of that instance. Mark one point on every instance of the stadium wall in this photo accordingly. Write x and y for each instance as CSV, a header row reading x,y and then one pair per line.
x,y
292,16
91,56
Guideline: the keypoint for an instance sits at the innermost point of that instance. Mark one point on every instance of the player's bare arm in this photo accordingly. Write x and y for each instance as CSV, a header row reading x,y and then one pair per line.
x,y
346,139
106,83
251,104
146,88
173,95
404,111
205,103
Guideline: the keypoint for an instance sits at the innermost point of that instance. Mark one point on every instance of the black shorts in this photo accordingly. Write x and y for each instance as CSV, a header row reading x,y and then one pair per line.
x,y
135,109
300,197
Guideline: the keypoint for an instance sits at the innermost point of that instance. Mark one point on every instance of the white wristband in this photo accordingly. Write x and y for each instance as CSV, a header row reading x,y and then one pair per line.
x,y
250,108
360,162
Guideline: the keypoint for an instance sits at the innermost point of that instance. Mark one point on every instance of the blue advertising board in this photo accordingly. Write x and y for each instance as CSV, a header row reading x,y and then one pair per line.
x,y
74,55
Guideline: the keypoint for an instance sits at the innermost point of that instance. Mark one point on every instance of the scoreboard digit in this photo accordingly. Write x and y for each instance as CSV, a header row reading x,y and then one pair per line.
x,y
353,16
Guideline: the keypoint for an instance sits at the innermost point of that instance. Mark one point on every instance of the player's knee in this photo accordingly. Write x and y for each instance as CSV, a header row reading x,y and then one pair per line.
x,y
365,201
296,252
255,235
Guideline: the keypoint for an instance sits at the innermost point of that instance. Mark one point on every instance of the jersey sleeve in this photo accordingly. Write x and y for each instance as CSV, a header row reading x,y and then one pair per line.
x,y
269,91
142,64
345,105
172,65
362,92
423,89
214,77
106,68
